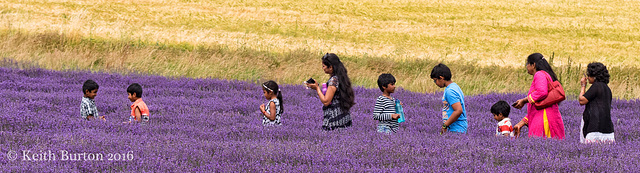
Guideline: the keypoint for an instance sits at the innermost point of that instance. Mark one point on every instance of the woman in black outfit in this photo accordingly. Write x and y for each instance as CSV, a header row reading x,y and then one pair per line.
x,y
596,126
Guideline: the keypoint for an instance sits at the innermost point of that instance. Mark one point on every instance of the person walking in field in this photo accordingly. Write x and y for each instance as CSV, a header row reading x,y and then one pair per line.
x,y
454,112
88,109
546,122
272,111
500,111
596,125
339,97
139,109
385,108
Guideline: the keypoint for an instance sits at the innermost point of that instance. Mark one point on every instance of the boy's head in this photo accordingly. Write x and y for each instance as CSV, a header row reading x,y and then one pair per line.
x,y
386,82
500,110
90,89
440,74
135,92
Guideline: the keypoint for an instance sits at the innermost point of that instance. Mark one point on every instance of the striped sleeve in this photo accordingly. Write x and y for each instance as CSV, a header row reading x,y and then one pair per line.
x,y
505,127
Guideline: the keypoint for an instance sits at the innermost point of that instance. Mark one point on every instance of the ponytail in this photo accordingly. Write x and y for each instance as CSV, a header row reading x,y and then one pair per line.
x,y
272,87
280,100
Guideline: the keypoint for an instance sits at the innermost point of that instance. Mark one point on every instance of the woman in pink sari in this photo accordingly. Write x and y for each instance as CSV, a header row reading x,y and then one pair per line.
x,y
545,122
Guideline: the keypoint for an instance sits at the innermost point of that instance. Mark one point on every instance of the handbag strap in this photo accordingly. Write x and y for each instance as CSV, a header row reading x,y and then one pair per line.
x,y
549,82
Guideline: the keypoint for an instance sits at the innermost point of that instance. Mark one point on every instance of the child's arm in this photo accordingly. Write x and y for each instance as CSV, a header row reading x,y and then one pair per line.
x,y
457,111
378,109
271,115
138,114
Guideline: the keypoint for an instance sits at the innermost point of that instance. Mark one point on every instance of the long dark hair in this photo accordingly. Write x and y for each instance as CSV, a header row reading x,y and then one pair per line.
x,y
599,71
346,92
541,64
272,86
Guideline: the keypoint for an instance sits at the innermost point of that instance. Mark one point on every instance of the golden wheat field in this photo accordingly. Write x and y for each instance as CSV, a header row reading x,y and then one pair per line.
x,y
485,42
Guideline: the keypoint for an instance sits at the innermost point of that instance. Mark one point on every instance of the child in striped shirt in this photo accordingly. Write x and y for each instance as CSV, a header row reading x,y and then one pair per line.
x,y
385,109
500,111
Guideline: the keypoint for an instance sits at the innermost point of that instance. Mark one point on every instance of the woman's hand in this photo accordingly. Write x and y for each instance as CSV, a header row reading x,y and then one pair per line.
x,y
517,128
583,81
262,108
395,116
520,103
313,86
581,99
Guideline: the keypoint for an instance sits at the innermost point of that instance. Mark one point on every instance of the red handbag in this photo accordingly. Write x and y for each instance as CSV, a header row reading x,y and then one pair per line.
x,y
555,95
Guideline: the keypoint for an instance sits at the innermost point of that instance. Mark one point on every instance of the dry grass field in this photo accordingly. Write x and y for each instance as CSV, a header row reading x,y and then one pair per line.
x,y
485,42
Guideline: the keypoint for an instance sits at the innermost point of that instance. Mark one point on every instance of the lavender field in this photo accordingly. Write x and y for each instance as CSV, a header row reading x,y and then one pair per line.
x,y
207,125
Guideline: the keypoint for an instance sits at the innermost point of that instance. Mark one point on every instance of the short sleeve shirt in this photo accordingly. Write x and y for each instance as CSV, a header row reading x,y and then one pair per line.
x,y
88,107
597,113
452,95
265,120
504,127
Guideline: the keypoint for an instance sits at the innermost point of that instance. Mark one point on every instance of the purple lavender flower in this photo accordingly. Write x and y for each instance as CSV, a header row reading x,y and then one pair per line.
x,y
206,125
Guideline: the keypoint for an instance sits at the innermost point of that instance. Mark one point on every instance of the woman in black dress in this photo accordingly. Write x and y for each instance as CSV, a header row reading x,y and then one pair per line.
x,y
339,98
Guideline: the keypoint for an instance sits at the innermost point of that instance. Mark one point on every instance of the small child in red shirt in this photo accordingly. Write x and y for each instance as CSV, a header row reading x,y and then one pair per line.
x,y
500,111
139,109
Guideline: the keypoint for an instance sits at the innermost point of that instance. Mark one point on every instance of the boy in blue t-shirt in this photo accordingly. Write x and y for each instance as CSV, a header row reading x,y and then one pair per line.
x,y
454,114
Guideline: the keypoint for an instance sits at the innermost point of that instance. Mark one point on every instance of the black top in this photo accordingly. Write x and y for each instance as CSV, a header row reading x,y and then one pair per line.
x,y
597,113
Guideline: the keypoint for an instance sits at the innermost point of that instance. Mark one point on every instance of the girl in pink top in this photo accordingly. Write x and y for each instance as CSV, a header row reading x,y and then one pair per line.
x,y
545,122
